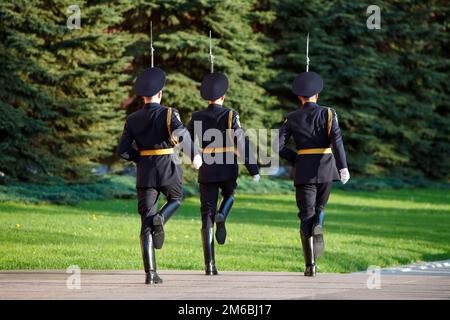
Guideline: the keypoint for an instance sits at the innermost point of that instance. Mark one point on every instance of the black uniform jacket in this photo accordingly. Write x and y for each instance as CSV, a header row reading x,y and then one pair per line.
x,y
148,128
217,117
309,127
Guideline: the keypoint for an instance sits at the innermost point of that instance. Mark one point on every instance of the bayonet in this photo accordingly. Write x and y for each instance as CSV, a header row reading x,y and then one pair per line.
x,y
307,52
151,42
211,57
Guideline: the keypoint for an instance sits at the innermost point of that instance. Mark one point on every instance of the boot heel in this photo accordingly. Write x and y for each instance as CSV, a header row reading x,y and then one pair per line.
x,y
210,270
221,216
310,271
221,232
158,232
152,277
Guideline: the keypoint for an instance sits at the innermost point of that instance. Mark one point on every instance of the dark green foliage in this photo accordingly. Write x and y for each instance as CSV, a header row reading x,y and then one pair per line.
x,y
66,193
61,91
389,86
181,30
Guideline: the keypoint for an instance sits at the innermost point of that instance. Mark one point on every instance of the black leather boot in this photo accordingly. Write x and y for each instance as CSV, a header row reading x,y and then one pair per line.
x,y
161,218
224,209
148,256
318,242
208,248
308,252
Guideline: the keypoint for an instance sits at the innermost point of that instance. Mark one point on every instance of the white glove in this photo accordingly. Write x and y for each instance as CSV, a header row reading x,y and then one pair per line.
x,y
256,178
345,175
197,161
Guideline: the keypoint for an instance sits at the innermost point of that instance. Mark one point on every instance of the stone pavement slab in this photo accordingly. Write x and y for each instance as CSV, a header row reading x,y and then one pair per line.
x,y
228,285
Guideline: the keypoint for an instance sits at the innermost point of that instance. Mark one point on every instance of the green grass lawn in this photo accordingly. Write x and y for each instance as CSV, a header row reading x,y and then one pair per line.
x,y
383,228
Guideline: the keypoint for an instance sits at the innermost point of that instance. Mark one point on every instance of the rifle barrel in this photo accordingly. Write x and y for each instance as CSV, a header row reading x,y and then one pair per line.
x,y
151,43
307,52
211,56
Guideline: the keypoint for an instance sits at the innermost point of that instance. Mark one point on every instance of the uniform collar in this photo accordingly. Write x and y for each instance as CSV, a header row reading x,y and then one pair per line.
x,y
151,105
308,104
214,106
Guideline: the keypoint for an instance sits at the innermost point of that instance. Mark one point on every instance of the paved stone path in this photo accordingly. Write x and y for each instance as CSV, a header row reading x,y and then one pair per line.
x,y
228,285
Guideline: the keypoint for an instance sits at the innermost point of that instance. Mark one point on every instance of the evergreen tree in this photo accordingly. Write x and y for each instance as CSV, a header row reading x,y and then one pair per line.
x,y
60,88
181,30
181,40
388,86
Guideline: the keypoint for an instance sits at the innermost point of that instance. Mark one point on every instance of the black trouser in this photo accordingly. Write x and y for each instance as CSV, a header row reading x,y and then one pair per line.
x,y
148,202
209,194
311,198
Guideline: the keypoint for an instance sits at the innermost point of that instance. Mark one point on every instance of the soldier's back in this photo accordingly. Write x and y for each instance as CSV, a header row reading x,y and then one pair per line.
x,y
149,127
212,118
309,125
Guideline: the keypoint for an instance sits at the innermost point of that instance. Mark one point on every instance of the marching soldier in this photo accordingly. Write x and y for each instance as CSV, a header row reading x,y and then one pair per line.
x,y
220,167
152,129
320,154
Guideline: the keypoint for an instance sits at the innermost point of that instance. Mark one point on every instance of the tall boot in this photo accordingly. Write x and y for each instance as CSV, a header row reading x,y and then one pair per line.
x,y
317,231
224,209
208,248
148,256
308,252
161,218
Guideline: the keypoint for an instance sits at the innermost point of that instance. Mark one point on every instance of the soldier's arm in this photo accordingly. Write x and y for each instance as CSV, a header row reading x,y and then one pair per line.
x,y
245,148
125,149
183,135
337,143
280,146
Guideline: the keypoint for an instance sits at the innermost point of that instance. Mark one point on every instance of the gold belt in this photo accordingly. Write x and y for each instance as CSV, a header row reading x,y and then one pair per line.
x,y
156,152
314,151
218,150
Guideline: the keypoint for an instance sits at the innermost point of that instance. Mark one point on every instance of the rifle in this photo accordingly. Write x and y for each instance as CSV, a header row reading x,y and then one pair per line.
x,y
307,52
211,57
151,43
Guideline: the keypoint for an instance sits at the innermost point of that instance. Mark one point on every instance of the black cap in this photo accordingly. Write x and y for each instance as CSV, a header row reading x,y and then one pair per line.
x,y
307,84
149,82
214,85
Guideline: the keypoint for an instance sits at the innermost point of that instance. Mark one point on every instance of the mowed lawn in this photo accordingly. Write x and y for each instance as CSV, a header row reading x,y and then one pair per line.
x,y
382,228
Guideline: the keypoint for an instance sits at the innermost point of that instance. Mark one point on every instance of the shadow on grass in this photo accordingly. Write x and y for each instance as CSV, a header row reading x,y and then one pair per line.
x,y
435,257
415,195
